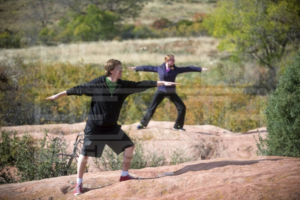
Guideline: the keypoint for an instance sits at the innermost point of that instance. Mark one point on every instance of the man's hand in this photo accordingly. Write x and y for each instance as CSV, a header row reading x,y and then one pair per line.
x,y
166,83
131,68
170,83
56,96
205,69
53,97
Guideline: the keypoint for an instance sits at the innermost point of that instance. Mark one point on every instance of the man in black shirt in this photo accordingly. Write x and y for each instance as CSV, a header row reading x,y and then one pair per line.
x,y
108,93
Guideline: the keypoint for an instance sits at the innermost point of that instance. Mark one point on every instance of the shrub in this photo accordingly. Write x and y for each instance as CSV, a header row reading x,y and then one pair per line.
x,y
143,32
46,36
177,158
283,114
141,159
33,159
16,101
9,40
6,157
199,17
161,23
95,25
5,175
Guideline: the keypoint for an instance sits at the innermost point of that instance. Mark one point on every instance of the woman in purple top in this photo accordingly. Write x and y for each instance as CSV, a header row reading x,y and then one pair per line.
x,y
167,72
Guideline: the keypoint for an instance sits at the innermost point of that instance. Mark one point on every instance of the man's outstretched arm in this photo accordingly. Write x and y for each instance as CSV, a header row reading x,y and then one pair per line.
x,y
166,83
56,96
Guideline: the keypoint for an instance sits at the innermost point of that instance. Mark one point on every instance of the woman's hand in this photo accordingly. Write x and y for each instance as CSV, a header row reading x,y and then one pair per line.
x,y
205,69
131,68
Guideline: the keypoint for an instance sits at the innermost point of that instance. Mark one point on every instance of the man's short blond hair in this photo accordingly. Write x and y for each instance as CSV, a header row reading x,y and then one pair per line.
x,y
110,65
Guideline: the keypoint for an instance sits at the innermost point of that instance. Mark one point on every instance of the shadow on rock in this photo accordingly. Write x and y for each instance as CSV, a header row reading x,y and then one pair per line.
x,y
208,166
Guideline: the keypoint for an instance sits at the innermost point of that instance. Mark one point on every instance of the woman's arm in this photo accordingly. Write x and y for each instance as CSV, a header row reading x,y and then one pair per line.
x,y
56,96
191,69
144,68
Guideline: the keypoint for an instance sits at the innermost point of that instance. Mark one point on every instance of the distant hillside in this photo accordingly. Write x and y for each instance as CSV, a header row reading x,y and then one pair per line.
x,y
19,15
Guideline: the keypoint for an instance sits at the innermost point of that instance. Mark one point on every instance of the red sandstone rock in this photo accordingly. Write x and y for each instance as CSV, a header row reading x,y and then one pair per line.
x,y
227,167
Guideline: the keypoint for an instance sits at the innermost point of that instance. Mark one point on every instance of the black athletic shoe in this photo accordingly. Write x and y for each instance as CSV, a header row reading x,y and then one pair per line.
x,y
140,126
178,129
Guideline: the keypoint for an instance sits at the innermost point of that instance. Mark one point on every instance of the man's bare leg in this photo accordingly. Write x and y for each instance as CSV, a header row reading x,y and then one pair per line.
x,y
127,157
82,161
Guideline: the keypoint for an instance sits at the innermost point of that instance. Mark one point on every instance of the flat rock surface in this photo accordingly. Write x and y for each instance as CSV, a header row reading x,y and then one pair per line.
x,y
225,166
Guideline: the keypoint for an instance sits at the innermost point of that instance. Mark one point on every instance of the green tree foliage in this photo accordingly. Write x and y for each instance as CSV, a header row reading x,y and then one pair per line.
x,y
93,26
283,114
9,40
46,36
266,30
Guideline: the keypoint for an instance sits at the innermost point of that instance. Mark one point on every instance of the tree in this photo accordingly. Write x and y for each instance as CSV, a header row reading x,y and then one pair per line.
x,y
283,114
92,20
38,20
95,25
266,30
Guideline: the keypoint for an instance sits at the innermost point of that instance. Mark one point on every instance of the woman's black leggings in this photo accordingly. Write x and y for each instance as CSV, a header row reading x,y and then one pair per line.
x,y
157,99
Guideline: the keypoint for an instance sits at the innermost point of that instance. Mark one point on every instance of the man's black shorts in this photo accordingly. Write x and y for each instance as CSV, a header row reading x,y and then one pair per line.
x,y
95,139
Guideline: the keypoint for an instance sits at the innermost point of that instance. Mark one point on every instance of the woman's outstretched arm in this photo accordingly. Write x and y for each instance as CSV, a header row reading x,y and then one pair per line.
x,y
145,68
191,69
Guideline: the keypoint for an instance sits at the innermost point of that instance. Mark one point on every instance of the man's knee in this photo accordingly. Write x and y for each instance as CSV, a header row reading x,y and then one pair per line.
x,y
82,158
130,148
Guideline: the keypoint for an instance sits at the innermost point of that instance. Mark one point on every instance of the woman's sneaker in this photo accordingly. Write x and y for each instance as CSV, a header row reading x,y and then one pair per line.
x,y
178,129
78,189
128,177
140,126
